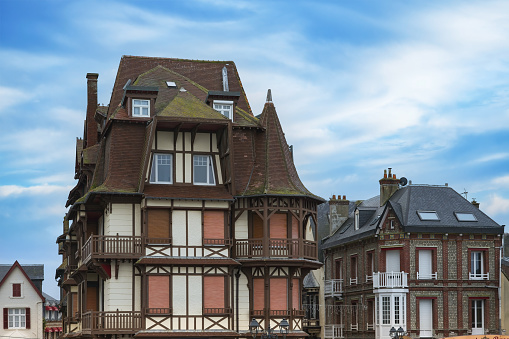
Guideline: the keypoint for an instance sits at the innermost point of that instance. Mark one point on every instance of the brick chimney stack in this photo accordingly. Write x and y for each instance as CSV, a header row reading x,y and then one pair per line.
x,y
91,124
475,203
389,184
338,212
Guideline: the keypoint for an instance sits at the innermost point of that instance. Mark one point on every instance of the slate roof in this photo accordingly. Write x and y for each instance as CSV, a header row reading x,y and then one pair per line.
x,y
406,202
310,281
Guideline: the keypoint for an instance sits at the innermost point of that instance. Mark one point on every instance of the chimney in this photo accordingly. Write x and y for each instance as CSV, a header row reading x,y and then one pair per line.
x,y
475,203
91,124
389,184
338,212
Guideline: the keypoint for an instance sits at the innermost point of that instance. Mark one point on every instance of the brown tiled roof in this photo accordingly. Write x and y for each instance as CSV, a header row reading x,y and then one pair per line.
x,y
90,155
274,172
187,192
206,74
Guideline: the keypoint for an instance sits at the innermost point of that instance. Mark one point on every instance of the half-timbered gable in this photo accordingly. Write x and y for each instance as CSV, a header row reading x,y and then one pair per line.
x,y
188,217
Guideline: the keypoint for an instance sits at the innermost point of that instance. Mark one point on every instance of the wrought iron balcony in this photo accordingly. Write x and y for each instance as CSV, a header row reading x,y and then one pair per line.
x,y
275,248
115,322
390,280
333,288
111,247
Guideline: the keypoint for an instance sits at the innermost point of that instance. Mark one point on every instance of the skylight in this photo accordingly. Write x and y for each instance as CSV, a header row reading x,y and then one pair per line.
x,y
428,215
171,84
465,216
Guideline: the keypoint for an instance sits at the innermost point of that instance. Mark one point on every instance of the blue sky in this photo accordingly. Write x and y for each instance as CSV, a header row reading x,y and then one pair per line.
x,y
359,86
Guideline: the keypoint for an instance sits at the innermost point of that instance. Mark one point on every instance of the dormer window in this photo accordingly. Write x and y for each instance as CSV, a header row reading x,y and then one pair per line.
x,y
141,108
224,107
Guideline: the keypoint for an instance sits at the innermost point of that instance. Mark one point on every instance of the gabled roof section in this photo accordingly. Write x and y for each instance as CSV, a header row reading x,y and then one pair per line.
x,y
443,200
274,171
203,75
186,105
36,275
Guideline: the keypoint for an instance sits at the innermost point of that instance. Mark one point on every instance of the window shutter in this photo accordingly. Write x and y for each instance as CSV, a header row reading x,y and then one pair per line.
x,y
159,224
278,226
213,225
425,264
16,290
27,320
6,318
213,291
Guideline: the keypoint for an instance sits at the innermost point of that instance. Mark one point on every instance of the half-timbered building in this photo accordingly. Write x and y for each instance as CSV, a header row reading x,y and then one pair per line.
x,y
188,217
417,257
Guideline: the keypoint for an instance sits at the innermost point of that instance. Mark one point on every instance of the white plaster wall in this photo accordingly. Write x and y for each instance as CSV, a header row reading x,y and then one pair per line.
x,y
178,145
165,141
189,165
137,294
29,298
243,302
137,220
179,228
186,203
241,231
187,141
216,204
195,295
179,295
158,202
119,220
202,142
194,224
214,144
179,168
118,292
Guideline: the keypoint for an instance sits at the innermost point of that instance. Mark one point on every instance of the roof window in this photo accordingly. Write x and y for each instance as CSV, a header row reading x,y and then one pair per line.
x,y
428,215
141,108
461,216
224,107
171,84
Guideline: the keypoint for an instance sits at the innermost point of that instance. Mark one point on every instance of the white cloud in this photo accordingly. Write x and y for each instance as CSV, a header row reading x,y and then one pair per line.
x,y
11,97
502,181
15,190
492,157
497,205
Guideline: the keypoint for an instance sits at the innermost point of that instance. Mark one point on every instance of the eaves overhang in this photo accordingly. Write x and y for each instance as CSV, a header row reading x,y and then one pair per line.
x,y
188,199
453,229
314,197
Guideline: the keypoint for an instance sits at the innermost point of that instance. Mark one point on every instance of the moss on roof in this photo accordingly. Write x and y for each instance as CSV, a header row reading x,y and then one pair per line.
x,y
145,79
90,154
187,105
246,118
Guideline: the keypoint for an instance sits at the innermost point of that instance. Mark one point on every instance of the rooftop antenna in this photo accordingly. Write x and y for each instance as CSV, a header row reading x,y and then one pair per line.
x,y
465,193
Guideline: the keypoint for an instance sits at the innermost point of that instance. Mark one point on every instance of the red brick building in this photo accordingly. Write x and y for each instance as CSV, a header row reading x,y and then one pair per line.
x,y
189,217
420,257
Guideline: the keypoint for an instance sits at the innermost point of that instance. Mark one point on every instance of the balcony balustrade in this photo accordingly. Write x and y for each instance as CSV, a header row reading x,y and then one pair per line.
x,y
390,280
277,248
426,276
111,247
333,331
478,276
333,288
117,322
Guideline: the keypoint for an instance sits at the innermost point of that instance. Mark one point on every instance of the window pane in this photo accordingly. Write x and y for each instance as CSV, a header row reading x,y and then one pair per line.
x,y
161,168
211,173
396,310
136,111
386,310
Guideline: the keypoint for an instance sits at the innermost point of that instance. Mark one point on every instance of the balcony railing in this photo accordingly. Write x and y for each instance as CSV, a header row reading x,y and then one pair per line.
x,y
426,276
333,331
479,276
333,288
112,247
369,278
278,248
217,311
390,280
95,322
370,326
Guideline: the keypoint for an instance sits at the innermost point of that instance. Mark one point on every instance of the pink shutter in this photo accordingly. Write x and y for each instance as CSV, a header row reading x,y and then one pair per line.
x,y
295,228
296,294
278,294
278,226
213,290
27,319
159,291
213,225
258,294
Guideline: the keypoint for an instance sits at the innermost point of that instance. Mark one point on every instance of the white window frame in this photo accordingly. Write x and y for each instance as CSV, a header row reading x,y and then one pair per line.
x,y
140,106
154,171
475,264
16,320
356,220
210,175
421,273
222,110
477,304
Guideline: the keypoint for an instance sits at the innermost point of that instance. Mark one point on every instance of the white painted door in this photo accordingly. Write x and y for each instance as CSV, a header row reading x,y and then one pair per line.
x,y
477,317
425,318
392,261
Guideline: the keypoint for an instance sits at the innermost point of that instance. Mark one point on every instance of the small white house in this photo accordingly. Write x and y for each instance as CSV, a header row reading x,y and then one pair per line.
x,y
22,302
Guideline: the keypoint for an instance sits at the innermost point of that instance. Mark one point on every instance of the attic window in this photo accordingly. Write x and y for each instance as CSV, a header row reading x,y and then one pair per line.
x,y
428,215
171,84
141,108
224,107
465,216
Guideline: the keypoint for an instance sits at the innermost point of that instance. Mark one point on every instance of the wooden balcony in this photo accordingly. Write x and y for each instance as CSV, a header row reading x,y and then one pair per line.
x,y
115,322
333,331
111,247
390,280
333,288
275,248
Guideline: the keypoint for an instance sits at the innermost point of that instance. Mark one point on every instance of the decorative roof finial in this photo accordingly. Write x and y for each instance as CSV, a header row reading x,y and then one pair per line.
x,y
269,95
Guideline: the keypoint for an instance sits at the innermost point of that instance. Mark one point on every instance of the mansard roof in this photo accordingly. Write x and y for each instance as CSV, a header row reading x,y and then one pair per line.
x,y
406,202
274,172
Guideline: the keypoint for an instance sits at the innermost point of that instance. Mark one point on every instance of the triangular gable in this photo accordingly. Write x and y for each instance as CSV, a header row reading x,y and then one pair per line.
x,y
17,265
